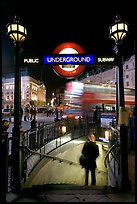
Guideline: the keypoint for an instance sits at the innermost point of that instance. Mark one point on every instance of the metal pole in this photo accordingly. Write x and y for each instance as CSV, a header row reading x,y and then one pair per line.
x,y
125,182
117,99
117,85
17,121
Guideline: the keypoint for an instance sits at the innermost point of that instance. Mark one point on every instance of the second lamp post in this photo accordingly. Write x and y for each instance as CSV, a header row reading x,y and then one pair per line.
x,y
118,30
17,32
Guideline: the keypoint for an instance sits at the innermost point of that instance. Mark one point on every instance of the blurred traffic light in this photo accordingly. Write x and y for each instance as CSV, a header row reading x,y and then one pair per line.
x,y
55,101
59,100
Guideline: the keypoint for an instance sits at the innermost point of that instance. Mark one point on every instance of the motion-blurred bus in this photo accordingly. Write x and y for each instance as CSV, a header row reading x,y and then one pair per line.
x,y
87,96
105,94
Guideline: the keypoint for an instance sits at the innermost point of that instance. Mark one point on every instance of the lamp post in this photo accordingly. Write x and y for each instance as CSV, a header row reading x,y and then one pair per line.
x,y
118,31
17,32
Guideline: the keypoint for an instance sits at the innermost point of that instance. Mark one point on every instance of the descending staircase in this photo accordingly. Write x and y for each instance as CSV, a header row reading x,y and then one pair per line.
x,y
47,185
63,167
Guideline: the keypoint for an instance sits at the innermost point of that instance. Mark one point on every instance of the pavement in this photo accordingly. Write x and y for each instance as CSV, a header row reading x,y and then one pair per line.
x,y
26,125
69,192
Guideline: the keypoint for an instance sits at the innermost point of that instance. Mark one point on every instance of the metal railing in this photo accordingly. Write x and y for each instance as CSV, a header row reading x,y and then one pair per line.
x,y
112,158
110,151
35,139
114,143
58,158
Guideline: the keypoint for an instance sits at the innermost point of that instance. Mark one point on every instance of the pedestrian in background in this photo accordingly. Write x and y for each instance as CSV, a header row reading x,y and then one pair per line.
x,y
21,114
31,113
34,113
96,116
91,151
26,114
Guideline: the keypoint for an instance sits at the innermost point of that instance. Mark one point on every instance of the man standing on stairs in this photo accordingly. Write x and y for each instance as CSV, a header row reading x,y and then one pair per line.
x,y
91,151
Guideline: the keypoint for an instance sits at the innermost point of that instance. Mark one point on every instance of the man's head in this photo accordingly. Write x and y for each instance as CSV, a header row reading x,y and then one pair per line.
x,y
5,125
92,137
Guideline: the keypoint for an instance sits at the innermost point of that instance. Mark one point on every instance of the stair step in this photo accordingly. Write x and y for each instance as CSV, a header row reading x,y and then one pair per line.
x,y
62,187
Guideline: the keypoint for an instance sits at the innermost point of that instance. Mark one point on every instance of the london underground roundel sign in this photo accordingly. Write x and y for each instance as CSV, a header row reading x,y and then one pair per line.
x,y
68,70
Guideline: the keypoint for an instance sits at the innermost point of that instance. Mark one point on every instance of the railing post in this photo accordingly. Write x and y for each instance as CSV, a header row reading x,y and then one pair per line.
x,y
72,128
80,127
87,125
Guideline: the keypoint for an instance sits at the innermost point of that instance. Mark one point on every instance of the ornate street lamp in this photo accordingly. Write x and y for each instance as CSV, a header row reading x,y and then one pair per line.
x,y
17,32
118,31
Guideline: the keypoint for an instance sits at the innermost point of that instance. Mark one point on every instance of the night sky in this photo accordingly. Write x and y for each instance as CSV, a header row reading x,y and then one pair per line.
x,y
54,22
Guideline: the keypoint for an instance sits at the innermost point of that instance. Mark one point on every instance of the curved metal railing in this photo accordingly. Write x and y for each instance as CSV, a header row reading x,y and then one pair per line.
x,y
36,139
114,143
112,158
58,158
110,151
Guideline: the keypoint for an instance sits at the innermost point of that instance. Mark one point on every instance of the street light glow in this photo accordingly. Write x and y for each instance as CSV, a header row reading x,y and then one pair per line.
x,y
16,31
118,30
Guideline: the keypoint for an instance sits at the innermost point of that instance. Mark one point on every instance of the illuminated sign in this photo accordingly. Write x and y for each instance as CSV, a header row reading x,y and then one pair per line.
x,y
73,68
105,59
70,59
31,60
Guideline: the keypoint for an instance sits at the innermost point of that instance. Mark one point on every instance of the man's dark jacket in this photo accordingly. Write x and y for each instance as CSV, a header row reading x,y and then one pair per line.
x,y
91,151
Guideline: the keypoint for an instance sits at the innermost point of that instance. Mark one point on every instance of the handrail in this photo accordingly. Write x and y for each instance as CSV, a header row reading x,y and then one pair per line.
x,y
49,156
110,151
57,158
38,137
114,129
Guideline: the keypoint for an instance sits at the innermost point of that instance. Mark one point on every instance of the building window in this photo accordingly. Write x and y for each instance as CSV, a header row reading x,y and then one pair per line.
x,y
127,76
28,86
127,66
127,83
